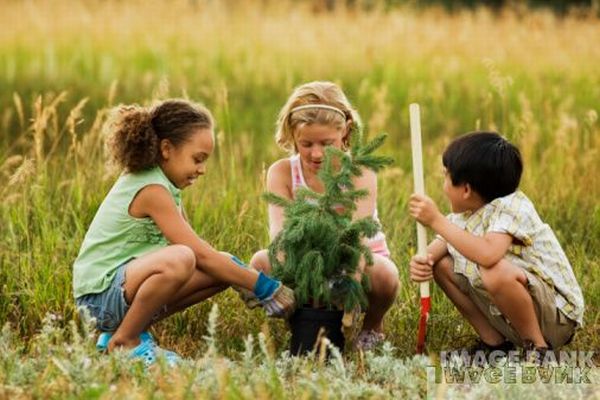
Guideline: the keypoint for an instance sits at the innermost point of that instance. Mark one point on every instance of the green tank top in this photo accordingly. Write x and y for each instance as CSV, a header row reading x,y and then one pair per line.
x,y
115,237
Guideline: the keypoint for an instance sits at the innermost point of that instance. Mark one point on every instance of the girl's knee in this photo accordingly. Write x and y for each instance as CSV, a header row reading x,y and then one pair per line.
x,y
181,263
183,254
260,261
384,276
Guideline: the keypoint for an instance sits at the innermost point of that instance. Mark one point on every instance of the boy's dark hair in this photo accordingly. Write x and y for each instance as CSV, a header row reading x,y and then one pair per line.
x,y
490,164
136,132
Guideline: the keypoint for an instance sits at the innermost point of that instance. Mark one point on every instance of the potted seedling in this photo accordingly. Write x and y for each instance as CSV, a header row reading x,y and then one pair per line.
x,y
320,252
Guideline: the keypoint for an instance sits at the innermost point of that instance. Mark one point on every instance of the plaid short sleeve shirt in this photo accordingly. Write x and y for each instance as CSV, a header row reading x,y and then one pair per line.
x,y
536,248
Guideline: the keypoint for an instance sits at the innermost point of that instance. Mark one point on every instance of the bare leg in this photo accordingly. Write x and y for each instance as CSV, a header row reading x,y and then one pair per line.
x,y
384,287
507,286
198,288
151,281
443,274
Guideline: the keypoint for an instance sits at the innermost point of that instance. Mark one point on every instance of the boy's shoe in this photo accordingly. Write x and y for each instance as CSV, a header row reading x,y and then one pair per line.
x,y
487,349
533,354
368,340
281,304
478,353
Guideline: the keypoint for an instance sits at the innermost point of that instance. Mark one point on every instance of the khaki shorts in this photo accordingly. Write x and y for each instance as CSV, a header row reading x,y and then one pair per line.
x,y
556,327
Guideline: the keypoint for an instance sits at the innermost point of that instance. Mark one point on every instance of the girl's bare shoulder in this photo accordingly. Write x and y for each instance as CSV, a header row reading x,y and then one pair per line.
x,y
367,180
279,174
279,169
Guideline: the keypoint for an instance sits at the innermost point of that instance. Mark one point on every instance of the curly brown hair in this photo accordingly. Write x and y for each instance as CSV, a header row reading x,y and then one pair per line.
x,y
136,132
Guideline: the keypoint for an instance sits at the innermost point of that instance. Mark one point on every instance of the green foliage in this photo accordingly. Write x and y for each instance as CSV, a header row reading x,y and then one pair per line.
x,y
318,251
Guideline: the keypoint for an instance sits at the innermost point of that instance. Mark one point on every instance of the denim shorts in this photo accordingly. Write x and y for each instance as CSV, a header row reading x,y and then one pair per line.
x,y
108,307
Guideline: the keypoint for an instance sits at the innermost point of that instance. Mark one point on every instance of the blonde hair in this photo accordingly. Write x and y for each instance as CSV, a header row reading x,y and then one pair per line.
x,y
331,108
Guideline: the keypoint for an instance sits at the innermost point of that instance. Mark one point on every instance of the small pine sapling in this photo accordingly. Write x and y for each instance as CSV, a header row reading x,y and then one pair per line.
x,y
319,249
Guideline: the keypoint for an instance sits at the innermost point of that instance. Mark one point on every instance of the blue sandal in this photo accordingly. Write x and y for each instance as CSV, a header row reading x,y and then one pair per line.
x,y
148,350
171,357
149,353
104,338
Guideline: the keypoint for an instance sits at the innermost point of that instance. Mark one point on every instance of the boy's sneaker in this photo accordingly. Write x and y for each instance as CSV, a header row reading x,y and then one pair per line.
x,y
478,353
487,349
281,304
533,354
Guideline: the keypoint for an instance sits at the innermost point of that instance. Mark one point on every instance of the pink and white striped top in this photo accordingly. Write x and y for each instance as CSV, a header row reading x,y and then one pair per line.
x,y
377,243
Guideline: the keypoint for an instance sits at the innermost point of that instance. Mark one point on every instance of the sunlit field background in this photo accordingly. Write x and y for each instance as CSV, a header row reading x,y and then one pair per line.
x,y
532,76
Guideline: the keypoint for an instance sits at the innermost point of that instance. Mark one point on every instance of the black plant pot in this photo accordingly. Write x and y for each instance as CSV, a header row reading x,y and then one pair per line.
x,y
306,323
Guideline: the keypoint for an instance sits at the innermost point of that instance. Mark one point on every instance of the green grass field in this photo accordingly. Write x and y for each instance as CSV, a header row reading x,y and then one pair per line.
x,y
532,76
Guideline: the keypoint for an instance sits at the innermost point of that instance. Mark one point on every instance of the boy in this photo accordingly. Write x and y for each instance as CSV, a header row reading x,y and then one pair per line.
x,y
500,265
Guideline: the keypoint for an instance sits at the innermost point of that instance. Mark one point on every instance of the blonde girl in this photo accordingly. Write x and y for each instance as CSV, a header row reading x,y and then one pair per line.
x,y
318,115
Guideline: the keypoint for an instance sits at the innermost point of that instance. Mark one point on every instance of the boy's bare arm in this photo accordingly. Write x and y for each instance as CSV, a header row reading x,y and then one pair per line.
x,y
437,250
485,251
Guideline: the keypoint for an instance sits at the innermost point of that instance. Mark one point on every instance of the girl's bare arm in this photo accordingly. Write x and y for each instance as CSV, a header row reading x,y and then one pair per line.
x,y
278,182
156,202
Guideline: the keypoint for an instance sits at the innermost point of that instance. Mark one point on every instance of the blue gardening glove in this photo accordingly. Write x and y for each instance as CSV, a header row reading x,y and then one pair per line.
x,y
277,299
247,296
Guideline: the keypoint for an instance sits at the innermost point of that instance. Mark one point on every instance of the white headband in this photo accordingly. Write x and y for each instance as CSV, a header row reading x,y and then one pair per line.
x,y
321,106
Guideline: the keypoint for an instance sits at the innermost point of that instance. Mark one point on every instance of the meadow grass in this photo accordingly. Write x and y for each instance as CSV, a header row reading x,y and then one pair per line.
x,y
63,64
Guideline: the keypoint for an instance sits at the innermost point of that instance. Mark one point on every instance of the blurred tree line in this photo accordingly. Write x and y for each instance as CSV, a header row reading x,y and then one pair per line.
x,y
559,6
